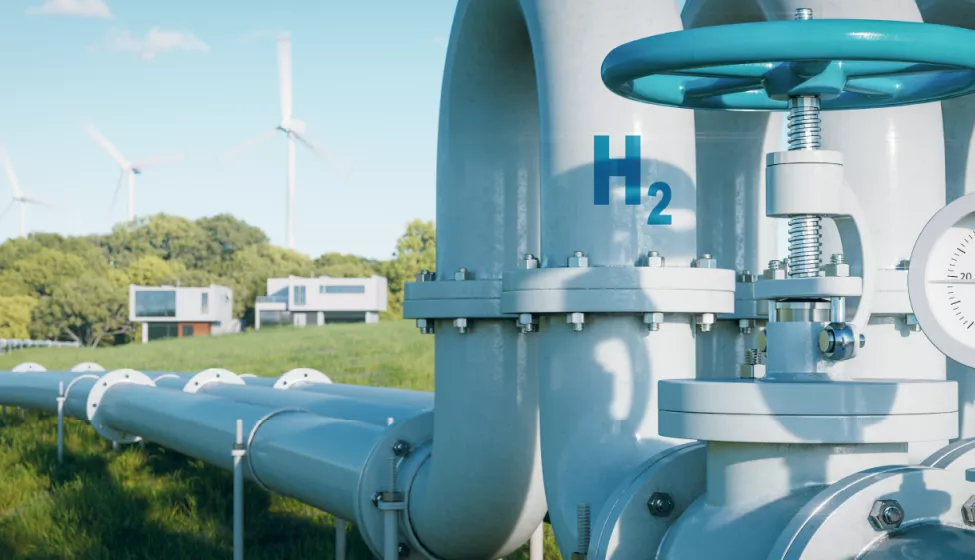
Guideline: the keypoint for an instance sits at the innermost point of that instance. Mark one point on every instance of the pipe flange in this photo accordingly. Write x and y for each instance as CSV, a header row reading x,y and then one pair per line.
x,y
679,473
816,287
668,289
67,390
813,411
473,299
246,375
416,431
253,434
87,367
28,367
165,376
958,456
300,375
408,469
98,391
212,375
836,522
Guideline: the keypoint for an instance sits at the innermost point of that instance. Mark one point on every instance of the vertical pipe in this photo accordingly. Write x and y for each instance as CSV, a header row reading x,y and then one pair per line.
x,y
391,538
598,387
536,546
60,400
238,454
340,538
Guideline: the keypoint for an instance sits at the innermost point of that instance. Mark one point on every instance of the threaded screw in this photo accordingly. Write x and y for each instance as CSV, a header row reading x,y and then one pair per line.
x,y
584,524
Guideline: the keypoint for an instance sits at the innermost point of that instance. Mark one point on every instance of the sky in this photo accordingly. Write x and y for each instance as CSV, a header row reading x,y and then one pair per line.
x,y
200,77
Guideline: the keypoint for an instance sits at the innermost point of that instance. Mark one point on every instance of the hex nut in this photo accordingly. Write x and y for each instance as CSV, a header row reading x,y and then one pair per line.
x,y
837,270
746,325
526,322
886,515
746,277
912,323
655,260
426,276
705,321
462,274
777,274
705,261
529,262
425,326
403,550
752,371
968,511
461,325
578,260
577,320
660,504
401,448
653,320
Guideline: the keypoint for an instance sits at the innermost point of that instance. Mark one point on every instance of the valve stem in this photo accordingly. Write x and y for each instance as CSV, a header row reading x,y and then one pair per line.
x,y
805,133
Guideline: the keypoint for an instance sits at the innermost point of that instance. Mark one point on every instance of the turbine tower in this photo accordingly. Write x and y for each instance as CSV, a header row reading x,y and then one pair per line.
x,y
128,169
294,129
19,197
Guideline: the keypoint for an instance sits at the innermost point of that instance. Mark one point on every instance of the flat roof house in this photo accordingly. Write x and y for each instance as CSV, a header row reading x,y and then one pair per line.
x,y
303,301
180,312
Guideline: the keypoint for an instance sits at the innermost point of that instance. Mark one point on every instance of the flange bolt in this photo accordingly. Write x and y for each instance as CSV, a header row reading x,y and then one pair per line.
x,y
660,504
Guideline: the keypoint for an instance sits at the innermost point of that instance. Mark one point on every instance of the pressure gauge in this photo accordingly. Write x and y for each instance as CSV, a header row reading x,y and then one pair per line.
x,y
941,280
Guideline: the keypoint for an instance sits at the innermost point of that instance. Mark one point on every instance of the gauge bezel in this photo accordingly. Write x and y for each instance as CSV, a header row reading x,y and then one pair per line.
x,y
917,279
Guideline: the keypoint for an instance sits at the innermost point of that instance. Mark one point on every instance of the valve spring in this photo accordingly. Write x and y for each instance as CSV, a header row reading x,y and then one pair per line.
x,y
805,243
584,524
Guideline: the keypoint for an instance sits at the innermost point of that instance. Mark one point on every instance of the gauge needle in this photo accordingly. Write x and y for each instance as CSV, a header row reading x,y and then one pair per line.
x,y
951,281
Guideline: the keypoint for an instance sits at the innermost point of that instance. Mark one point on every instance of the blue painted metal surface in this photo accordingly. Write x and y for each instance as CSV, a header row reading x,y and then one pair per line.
x,y
850,64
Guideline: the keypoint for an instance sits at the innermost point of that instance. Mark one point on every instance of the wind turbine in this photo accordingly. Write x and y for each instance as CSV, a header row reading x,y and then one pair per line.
x,y
293,128
129,169
19,197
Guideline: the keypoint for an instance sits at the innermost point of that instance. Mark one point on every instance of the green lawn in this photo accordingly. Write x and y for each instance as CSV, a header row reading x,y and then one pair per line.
x,y
155,503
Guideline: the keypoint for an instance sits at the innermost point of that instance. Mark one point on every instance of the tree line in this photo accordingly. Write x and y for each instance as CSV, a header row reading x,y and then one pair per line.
x,y
76,288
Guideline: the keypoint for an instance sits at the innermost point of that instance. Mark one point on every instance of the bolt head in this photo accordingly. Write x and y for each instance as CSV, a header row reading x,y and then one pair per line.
x,y
403,550
886,515
426,276
912,323
705,261
968,511
653,320
578,260
462,274
660,504
705,321
425,326
376,498
746,325
461,325
747,277
401,448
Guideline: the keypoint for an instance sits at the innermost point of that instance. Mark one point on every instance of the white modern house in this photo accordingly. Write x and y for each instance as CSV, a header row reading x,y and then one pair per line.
x,y
303,301
181,312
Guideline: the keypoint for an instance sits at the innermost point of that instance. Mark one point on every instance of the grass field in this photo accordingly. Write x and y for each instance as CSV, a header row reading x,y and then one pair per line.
x,y
154,503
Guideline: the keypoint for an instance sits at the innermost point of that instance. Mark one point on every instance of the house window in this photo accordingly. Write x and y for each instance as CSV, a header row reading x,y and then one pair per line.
x,y
162,330
205,303
155,303
299,295
354,289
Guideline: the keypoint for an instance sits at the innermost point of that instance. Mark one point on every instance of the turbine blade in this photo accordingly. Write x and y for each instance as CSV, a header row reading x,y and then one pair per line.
x,y
9,169
341,168
109,148
284,76
175,156
121,178
246,145
30,200
7,209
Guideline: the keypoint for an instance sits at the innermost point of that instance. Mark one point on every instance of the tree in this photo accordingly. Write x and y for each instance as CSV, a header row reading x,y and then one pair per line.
x,y
416,250
229,235
150,270
46,269
15,316
87,309
338,265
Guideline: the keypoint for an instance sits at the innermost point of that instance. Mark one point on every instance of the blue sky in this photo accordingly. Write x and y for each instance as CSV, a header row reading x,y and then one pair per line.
x,y
198,76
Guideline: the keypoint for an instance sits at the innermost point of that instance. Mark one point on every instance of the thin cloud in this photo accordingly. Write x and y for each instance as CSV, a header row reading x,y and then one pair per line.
x,y
155,42
78,8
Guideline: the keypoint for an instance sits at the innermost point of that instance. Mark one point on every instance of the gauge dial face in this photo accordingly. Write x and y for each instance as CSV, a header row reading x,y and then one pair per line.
x,y
941,280
950,280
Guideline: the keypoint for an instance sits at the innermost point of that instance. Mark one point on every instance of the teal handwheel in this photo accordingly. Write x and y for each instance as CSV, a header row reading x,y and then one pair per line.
x,y
848,64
